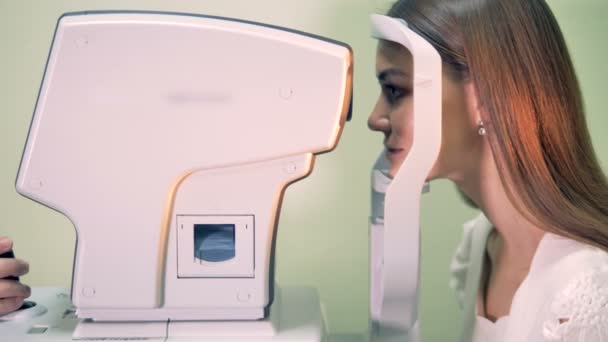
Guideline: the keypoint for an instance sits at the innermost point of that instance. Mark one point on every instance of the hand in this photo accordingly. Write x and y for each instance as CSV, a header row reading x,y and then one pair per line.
x,y
12,292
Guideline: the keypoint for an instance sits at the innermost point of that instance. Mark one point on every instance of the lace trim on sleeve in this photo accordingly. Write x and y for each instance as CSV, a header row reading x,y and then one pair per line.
x,y
579,313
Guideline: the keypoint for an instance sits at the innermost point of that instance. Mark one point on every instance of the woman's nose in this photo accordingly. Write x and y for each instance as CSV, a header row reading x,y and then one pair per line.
x,y
378,121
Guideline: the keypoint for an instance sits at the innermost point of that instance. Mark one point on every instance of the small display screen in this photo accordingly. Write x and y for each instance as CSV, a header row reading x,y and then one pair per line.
x,y
214,242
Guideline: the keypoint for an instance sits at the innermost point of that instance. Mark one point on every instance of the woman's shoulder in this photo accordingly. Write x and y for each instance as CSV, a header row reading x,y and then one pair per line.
x,y
555,251
566,261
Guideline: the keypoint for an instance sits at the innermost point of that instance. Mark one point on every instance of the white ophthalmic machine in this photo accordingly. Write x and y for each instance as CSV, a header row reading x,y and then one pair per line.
x,y
168,140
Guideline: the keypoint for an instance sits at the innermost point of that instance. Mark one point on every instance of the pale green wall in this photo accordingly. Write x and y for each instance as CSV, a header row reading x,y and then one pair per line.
x,y
323,233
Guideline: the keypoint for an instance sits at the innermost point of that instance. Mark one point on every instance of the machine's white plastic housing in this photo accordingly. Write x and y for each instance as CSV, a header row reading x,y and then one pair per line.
x,y
395,219
149,123
295,316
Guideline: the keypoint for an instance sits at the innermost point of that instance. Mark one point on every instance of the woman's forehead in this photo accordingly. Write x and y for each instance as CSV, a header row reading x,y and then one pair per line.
x,y
391,54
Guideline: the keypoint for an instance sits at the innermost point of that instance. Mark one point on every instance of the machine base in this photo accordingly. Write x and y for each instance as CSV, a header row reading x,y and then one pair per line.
x,y
295,317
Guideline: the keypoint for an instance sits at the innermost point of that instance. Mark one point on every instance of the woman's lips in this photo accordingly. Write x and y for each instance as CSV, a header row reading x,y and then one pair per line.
x,y
394,154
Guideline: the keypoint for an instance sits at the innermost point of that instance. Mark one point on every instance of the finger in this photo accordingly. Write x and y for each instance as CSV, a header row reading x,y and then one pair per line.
x,y
12,288
5,244
10,304
13,267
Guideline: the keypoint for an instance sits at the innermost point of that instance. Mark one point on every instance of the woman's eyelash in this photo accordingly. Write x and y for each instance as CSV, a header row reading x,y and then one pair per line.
x,y
393,93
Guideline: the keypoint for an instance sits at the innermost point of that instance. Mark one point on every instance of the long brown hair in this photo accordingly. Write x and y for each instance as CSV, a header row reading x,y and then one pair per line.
x,y
515,54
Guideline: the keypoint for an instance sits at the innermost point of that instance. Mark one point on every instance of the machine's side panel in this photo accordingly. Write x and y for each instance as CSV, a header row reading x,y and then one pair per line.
x,y
133,102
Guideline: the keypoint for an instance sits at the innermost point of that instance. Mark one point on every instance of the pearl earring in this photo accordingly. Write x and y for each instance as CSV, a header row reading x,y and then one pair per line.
x,y
481,128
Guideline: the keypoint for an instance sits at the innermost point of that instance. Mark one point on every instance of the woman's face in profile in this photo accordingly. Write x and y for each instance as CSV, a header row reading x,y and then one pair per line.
x,y
393,115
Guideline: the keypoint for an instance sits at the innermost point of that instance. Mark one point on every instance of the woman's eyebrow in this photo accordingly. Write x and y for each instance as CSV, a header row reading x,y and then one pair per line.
x,y
384,74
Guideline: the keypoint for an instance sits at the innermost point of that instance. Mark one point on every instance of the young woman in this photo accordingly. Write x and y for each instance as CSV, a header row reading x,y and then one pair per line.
x,y
533,266
12,292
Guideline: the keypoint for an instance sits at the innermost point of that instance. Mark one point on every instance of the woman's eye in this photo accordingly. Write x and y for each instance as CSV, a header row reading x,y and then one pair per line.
x,y
393,93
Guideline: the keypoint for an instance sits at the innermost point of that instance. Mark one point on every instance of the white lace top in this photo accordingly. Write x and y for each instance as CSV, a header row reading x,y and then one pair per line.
x,y
563,298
